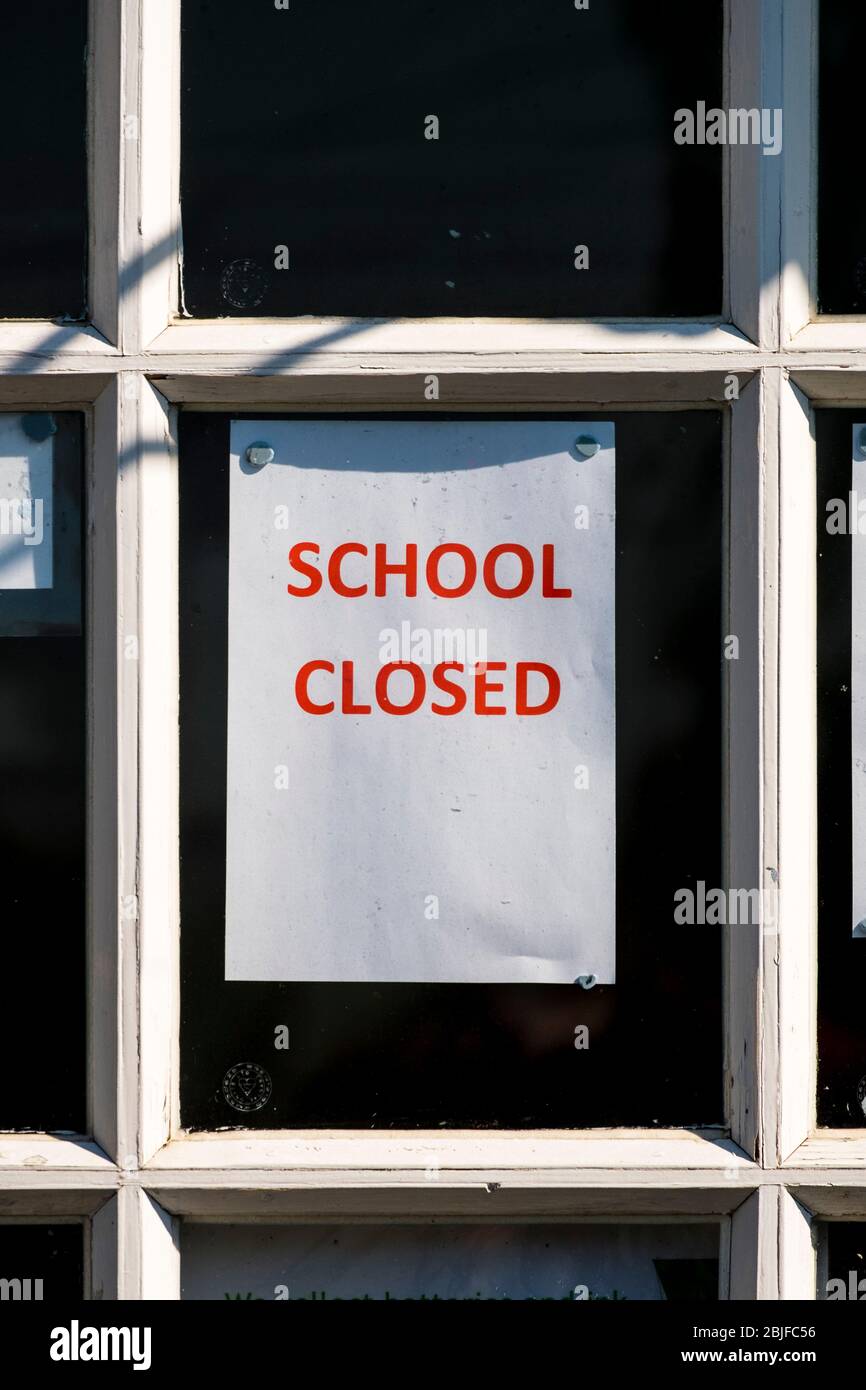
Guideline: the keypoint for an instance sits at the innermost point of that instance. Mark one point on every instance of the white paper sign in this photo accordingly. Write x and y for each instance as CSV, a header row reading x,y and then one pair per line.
x,y
26,508
421,744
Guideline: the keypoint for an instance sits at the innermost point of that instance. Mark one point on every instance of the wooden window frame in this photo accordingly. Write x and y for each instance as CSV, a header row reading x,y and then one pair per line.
x,y
769,1177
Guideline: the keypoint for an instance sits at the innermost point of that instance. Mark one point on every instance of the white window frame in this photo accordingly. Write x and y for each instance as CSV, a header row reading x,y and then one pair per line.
x,y
770,1176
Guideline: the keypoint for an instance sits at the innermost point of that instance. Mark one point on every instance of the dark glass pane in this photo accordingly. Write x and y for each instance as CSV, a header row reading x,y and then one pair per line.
x,y
464,1262
42,786
306,128
842,129
841,957
846,1262
42,1263
43,121
382,1055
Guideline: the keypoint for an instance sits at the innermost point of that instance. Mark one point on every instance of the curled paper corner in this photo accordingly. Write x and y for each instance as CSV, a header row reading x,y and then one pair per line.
x,y
860,929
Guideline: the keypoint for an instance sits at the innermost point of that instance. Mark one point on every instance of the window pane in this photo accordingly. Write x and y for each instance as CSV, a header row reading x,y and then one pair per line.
x,y
362,1053
843,1246
43,121
449,159
842,128
841,953
42,1264
42,772
568,1262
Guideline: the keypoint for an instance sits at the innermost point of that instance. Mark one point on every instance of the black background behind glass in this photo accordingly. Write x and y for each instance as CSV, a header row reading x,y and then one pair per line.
x,y
54,1254
404,1055
229,1261
842,132
846,1253
43,119
841,959
42,839
305,128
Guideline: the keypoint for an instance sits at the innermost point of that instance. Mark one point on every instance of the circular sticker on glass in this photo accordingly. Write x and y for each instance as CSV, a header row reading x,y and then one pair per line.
x,y
243,284
247,1086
